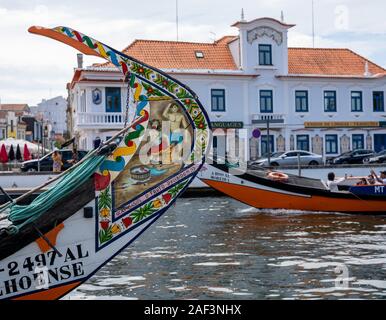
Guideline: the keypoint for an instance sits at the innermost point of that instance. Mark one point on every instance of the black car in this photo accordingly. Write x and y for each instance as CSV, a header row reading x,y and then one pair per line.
x,y
46,162
357,156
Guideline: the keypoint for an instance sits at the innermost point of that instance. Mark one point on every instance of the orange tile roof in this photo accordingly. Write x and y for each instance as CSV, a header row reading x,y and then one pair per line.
x,y
342,62
303,61
181,55
14,107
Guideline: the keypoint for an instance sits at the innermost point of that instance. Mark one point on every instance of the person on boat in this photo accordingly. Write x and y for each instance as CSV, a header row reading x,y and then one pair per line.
x,y
371,180
74,158
332,183
362,182
382,177
57,161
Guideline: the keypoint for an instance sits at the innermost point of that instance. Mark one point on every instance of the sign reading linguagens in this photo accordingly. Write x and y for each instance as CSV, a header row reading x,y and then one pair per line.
x,y
227,124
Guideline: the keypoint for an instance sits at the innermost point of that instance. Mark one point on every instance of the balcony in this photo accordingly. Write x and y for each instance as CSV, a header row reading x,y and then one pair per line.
x,y
109,120
271,117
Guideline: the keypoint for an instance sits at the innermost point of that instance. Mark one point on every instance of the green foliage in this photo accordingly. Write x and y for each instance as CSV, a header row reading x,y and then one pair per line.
x,y
165,83
105,200
151,91
143,212
183,94
141,70
105,235
177,188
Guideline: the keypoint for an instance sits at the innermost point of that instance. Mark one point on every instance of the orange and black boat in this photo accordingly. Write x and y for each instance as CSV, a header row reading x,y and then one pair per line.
x,y
265,189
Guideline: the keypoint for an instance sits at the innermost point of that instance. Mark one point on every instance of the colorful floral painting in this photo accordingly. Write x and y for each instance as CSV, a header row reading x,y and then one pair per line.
x,y
145,84
109,229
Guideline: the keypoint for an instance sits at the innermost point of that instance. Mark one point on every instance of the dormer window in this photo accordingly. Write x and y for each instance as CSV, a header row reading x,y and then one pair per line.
x,y
265,55
199,54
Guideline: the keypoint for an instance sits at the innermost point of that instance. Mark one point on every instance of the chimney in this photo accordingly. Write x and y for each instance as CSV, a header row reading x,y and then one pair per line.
x,y
367,73
80,60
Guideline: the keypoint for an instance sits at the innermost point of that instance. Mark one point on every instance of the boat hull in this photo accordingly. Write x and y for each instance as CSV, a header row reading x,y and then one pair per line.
x,y
37,272
49,247
267,194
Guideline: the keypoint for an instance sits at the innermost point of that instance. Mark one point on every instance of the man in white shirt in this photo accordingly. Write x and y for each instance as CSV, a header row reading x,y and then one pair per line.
x,y
332,183
381,179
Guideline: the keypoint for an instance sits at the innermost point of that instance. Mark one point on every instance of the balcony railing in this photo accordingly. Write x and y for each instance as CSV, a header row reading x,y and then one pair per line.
x,y
99,119
264,117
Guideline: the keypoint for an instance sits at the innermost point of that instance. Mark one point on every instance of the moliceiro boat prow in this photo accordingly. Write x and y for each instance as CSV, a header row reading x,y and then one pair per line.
x,y
104,202
264,189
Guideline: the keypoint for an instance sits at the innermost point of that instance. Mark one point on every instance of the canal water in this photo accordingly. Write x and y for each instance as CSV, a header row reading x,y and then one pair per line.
x,y
218,248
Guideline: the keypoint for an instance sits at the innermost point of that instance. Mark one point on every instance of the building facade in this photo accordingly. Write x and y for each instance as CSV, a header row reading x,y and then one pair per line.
x,y
11,122
327,101
53,111
34,129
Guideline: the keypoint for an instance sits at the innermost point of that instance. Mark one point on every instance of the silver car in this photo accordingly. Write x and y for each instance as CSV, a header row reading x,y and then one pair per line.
x,y
290,158
380,157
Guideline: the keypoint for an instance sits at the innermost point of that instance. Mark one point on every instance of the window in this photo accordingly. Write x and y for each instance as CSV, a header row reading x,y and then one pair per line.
x,y
82,106
113,99
356,101
329,101
266,101
291,154
264,144
301,101
265,55
331,143
199,54
303,142
378,101
358,141
218,99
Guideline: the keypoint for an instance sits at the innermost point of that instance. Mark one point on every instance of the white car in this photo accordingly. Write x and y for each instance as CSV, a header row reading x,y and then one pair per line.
x,y
290,158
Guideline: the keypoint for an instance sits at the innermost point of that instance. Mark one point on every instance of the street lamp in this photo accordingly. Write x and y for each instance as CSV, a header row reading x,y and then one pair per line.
x,y
267,120
41,123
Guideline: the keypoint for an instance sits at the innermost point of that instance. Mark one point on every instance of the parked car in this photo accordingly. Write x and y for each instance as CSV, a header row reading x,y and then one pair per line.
x,y
353,157
46,161
290,158
379,157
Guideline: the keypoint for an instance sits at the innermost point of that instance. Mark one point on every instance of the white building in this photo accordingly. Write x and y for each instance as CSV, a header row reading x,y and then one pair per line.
x,y
322,100
53,111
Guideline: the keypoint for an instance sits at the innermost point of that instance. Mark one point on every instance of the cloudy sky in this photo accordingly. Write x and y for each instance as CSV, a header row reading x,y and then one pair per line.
x,y
33,68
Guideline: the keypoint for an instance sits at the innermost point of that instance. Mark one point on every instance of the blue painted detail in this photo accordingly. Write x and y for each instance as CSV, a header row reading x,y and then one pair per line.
x,y
176,137
156,172
113,57
142,104
117,165
376,190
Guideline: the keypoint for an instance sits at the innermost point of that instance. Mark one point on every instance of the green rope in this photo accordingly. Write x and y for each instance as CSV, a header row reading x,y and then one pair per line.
x,y
22,215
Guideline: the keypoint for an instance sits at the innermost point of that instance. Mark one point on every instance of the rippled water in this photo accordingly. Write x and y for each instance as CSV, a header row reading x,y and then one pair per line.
x,y
217,248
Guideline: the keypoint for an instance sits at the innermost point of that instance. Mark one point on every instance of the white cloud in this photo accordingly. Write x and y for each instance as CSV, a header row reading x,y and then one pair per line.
x,y
31,67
